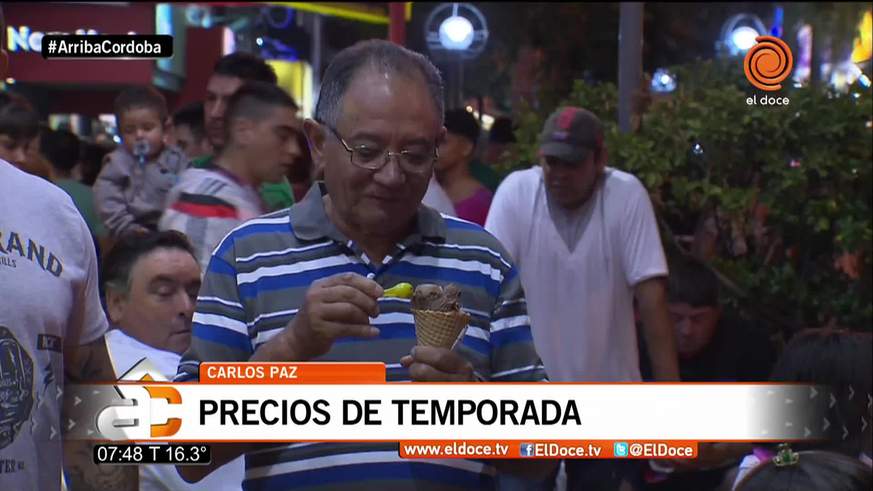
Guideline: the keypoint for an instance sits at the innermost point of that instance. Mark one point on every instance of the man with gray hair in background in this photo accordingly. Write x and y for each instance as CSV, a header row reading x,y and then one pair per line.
x,y
316,273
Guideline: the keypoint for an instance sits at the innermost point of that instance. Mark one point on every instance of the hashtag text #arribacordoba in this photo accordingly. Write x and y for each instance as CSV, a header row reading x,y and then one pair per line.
x,y
105,47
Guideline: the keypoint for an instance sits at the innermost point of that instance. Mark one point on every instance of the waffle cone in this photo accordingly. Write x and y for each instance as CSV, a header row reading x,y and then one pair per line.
x,y
439,329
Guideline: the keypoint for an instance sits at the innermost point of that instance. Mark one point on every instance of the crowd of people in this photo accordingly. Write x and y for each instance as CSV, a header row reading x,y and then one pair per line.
x,y
233,230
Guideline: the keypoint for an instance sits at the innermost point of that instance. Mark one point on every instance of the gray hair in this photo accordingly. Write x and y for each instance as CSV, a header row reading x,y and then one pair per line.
x,y
380,55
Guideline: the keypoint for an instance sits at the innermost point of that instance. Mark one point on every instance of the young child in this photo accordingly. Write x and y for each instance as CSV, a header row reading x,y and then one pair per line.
x,y
132,187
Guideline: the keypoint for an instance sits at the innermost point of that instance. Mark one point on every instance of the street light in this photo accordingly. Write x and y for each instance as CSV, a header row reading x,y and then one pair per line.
x,y
739,32
744,37
663,81
455,32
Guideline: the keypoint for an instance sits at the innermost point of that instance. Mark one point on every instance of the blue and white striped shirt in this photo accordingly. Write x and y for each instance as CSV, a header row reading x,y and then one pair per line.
x,y
256,282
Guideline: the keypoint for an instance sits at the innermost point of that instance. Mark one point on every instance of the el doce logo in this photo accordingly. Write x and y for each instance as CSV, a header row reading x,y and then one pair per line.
x,y
767,64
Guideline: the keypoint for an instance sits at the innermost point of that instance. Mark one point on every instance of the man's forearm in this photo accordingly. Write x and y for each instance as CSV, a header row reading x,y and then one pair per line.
x,y
84,475
662,350
90,364
658,329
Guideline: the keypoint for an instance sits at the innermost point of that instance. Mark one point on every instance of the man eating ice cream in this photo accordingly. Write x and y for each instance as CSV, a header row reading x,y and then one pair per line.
x,y
309,283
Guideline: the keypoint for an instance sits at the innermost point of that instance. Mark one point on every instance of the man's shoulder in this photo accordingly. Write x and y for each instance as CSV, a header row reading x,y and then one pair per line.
x,y
41,207
27,188
622,181
465,234
205,181
522,183
261,235
524,177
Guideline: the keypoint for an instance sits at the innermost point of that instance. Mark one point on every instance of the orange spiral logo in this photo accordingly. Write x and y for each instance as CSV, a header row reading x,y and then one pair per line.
x,y
768,63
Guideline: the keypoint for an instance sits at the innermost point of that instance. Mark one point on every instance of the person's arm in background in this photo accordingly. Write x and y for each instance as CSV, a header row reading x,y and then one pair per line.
x,y
645,267
503,219
86,360
109,199
658,329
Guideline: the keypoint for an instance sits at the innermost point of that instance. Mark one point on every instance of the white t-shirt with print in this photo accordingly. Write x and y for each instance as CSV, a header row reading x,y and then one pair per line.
x,y
125,352
48,298
581,302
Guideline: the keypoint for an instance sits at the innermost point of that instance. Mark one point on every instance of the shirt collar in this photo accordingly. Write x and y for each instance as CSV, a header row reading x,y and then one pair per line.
x,y
309,220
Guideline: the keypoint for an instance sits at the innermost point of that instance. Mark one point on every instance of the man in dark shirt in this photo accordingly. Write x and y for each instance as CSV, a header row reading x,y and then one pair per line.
x,y
713,346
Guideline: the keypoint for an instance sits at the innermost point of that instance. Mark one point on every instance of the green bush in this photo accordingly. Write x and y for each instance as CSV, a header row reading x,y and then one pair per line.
x,y
703,152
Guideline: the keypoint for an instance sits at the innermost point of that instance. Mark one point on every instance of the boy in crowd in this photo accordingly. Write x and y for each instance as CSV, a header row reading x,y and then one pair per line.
x,y
261,144
229,73
190,131
132,187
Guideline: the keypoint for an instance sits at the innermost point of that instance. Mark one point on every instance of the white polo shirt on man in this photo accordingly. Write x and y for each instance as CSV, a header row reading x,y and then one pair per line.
x,y
580,300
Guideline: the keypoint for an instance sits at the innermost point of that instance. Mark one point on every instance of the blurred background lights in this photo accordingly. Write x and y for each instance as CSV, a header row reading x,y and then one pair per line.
x,y
663,81
456,32
844,75
743,37
738,34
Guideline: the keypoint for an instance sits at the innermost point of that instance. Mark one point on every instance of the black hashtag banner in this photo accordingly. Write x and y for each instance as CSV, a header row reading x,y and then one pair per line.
x,y
107,46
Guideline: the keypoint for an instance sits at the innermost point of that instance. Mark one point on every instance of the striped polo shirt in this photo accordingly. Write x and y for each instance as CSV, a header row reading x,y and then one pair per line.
x,y
256,282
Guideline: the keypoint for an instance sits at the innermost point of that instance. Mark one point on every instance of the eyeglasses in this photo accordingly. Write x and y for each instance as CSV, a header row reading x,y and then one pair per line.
x,y
374,159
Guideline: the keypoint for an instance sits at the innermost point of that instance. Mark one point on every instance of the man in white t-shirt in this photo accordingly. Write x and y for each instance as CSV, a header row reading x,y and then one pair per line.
x,y
51,332
586,242
151,285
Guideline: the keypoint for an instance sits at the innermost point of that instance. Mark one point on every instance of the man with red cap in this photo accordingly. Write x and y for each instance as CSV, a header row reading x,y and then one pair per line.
x,y
586,242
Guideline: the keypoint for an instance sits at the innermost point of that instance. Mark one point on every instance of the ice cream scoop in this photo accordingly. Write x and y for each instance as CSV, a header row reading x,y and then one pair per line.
x,y
435,297
439,320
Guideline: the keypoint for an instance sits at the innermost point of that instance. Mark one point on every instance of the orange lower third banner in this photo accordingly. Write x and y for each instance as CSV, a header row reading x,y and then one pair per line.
x,y
263,373
548,449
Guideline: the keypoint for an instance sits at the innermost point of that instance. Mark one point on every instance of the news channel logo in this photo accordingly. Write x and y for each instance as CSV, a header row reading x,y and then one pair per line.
x,y
123,411
619,449
768,63
526,449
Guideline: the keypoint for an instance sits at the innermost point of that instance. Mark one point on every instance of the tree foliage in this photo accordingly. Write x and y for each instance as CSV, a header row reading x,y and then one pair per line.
x,y
788,188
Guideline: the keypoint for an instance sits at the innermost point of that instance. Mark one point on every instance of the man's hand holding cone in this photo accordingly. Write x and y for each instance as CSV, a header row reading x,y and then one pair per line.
x,y
439,325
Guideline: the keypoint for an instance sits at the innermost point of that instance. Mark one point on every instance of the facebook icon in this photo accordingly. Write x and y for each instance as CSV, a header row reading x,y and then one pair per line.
x,y
526,449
